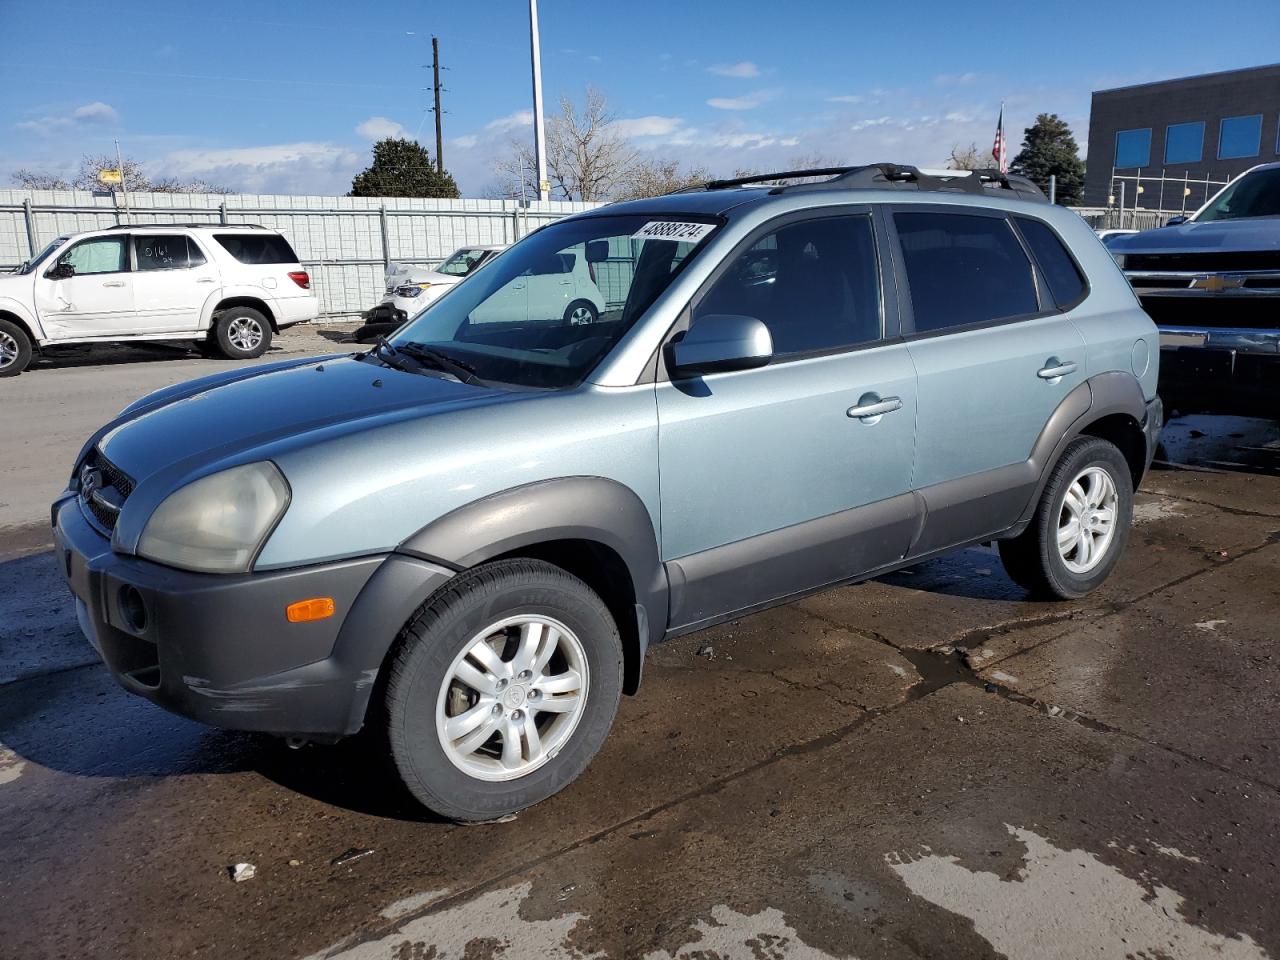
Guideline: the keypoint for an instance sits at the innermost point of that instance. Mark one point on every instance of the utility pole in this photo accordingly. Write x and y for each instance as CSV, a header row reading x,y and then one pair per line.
x,y
124,187
435,68
539,134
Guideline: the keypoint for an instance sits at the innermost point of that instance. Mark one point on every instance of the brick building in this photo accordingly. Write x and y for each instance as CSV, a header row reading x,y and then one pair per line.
x,y
1216,125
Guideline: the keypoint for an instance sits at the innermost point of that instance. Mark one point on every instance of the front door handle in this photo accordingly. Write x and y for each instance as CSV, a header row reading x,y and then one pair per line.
x,y
1055,369
204,280
113,283
871,407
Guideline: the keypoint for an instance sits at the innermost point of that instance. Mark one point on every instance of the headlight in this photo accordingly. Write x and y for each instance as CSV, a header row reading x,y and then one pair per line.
x,y
217,523
411,289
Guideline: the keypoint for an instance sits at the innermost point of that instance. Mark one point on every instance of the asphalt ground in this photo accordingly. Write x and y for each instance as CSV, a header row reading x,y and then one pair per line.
x,y
927,765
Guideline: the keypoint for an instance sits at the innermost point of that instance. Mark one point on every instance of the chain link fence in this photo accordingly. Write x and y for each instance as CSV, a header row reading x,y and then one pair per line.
x,y
344,242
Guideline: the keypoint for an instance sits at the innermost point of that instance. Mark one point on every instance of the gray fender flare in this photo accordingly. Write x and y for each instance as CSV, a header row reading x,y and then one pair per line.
x,y
1099,396
592,509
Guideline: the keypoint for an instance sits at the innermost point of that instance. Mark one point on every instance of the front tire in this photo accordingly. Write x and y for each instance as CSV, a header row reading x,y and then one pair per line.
x,y
15,349
502,690
580,313
1080,525
242,333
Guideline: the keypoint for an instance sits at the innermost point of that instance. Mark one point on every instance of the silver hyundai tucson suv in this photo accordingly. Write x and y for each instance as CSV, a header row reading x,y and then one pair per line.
x,y
464,539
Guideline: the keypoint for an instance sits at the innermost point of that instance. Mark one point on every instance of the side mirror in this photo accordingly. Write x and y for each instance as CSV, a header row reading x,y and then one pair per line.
x,y
1174,221
719,342
597,251
61,271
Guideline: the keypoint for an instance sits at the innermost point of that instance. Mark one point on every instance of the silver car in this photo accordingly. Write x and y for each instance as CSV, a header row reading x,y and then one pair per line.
x,y
467,538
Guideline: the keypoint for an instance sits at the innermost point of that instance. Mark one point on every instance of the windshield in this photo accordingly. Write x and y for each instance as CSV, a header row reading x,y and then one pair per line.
x,y
1255,194
33,264
462,262
548,310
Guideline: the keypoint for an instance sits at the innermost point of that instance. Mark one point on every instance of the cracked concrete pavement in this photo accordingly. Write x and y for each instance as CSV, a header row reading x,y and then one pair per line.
x,y
927,765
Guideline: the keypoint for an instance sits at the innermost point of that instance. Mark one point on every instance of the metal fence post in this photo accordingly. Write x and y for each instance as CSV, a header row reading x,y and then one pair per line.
x,y
31,226
222,212
1120,225
386,237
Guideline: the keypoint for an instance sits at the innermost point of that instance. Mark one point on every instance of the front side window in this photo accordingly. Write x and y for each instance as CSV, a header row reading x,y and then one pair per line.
x,y
462,262
1240,137
1255,194
1133,148
97,255
548,310
964,269
1056,263
815,284
158,251
257,248
1184,142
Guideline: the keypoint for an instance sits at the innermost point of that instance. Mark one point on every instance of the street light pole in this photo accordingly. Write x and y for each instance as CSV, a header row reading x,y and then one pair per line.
x,y
539,134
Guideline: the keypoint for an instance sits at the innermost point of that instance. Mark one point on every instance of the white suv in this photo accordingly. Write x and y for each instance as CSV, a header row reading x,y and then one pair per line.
x,y
226,287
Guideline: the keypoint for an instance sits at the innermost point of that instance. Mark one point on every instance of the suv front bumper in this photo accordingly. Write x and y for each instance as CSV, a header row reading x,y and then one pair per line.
x,y
219,648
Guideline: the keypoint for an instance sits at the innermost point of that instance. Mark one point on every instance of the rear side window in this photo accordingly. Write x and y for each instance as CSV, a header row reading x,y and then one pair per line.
x,y
159,251
1059,269
815,284
964,269
257,247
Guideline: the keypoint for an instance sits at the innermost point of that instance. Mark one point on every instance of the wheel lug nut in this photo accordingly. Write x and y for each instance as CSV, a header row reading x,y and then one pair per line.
x,y
535,694
518,715
497,709
525,675
502,684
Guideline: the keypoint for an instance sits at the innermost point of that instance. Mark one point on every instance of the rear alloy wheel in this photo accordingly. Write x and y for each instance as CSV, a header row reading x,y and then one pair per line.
x,y
15,349
242,333
580,313
501,690
1080,526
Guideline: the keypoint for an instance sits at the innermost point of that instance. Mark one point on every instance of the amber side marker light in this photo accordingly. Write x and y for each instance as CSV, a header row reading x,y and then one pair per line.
x,y
317,608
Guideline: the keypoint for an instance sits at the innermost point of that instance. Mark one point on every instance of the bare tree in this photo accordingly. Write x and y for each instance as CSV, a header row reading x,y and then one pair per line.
x,y
37,180
586,158
966,158
651,177
89,178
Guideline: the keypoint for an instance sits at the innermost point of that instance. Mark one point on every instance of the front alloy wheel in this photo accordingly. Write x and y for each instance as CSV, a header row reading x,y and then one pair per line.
x,y
1087,524
501,689
512,698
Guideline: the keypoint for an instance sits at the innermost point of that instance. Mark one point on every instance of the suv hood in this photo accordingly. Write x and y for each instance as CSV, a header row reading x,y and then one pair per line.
x,y
264,410
1215,236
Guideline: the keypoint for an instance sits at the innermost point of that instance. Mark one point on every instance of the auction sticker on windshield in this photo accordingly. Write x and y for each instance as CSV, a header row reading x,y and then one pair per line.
x,y
673,230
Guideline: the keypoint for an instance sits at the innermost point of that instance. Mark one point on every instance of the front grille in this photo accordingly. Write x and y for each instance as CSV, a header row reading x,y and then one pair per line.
x,y
103,489
1209,312
1204,262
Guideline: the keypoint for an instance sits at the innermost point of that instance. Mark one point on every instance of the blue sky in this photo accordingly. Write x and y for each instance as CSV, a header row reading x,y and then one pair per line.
x,y
287,97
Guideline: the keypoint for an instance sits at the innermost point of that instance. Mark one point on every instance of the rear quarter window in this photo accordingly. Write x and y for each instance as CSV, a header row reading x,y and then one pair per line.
x,y
257,247
964,269
1065,281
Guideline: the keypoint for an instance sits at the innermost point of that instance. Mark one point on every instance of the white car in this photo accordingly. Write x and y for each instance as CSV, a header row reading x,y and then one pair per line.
x,y
226,287
563,286
412,288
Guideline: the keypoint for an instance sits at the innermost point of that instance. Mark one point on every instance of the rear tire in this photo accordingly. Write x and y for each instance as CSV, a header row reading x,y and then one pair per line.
x,y
15,349
1080,525
504,648
242,333
580,313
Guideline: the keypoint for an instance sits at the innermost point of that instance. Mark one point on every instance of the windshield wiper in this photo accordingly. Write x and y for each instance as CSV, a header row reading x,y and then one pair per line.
x,y
384,351
460,369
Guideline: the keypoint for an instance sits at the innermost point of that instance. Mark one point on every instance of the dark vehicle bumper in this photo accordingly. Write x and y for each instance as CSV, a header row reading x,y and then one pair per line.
x,y
1233,371
219,648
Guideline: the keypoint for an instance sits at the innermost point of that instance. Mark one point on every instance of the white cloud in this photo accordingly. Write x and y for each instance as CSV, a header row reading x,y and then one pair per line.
x,y
89,113
512,121
378,128
302,168
744,69
651,126
847,98
955,79
465,143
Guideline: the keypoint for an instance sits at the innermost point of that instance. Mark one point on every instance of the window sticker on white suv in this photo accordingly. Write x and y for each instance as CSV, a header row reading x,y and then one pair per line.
x,y
673,230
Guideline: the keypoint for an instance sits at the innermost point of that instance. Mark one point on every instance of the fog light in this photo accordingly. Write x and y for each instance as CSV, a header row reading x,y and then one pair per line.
x,y
304,611
132,609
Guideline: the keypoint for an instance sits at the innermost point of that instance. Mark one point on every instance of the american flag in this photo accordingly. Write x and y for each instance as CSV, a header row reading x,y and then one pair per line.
x,y
1000,149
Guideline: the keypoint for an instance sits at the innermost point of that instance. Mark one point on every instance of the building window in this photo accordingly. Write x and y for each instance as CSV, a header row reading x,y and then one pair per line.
x,y
1133,148
1240,137
1184,142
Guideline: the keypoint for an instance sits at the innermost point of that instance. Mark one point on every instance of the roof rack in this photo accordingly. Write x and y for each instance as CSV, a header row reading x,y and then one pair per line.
x,y
215,225
881,176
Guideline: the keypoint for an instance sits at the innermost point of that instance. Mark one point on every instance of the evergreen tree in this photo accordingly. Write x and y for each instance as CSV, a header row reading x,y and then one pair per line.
x,y
402,168
1048,147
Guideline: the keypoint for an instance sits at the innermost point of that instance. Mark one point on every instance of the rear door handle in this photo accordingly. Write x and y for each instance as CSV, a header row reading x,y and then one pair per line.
x,y
113,283
1055,369
204,280
871,408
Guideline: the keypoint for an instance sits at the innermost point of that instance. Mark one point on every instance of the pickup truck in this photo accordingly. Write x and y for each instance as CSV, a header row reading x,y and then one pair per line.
x,y
1211,282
